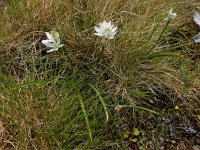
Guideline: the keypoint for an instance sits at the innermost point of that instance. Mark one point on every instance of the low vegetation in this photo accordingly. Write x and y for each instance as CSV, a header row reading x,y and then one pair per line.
x,y
138,90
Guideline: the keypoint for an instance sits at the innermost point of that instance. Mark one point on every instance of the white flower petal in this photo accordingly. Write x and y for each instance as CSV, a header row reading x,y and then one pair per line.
x,y
170,12
103,24
170,15
110,37
166,18
49,36
97,29
48,43
114,29
52,50
98,34
173,16
112,26
196,38
114,33
196,18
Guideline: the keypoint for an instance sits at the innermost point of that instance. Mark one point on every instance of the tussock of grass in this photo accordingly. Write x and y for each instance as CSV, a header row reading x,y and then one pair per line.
x,y
51,101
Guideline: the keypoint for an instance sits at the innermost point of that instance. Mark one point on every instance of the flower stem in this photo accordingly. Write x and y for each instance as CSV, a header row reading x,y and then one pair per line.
x,y
161,34
101,53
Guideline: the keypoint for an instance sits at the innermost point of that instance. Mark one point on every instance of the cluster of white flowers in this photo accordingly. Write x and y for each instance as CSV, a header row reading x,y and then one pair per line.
x,y
107,30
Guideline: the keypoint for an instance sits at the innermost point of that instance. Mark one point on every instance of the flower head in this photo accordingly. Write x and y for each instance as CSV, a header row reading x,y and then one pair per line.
x,y
106,30
53,41
171,15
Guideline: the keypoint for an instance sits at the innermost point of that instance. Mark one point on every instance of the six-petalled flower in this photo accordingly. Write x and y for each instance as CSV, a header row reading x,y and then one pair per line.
x,y
53,41
106,30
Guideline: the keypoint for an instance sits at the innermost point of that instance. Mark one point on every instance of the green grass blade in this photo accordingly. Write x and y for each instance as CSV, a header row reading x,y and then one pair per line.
x,y
86,117
102,101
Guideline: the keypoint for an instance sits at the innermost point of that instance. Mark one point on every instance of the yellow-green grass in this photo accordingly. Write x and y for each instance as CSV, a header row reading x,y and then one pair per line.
x,y
69,100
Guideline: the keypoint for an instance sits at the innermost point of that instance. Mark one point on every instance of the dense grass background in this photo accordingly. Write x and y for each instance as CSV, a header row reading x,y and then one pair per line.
x,y
67,100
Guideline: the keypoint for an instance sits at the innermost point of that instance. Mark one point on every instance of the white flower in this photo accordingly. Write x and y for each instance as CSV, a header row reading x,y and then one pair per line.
x,y
196,18
171,15
53,41
106,30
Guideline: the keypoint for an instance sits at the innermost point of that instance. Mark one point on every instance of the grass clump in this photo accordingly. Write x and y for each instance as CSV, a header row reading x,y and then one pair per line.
x,y
89,92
